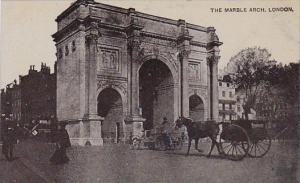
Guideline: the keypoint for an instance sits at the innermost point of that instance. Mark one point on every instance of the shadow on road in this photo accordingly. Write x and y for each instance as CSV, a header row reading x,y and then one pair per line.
x,y
198,155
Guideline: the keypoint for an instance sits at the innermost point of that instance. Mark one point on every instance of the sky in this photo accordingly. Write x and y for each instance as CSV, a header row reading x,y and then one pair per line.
x,y
27,26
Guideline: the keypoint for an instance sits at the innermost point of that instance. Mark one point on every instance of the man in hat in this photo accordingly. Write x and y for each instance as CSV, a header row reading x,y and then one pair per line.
x,y
166,130
9,138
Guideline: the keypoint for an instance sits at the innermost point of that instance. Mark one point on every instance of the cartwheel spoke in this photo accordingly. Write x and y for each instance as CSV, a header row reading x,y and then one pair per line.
x,y
232,150
229,150
236,150
251,148
226,146
262,147
258,149
239,150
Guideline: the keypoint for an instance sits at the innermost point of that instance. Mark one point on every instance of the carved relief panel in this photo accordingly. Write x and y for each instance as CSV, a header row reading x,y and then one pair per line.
x,y
109,60
194,71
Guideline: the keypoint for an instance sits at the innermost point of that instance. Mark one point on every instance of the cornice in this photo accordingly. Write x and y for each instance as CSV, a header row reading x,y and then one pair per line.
x,y
73,7
69,28
197,43
158,36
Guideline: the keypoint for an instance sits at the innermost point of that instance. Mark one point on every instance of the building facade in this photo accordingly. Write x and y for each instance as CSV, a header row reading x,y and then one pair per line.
x,y
38,94
120,71
240,101
227,100
11,101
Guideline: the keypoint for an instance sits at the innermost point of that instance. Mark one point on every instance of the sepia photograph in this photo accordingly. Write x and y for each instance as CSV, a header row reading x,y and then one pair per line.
x,y
158,91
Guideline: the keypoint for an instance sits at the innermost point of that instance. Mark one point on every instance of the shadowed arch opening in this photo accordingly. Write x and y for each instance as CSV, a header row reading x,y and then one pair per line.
x,y
156,93
110,107
196,108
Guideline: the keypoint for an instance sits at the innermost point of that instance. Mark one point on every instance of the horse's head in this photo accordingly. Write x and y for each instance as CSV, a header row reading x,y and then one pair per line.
x,y
182,121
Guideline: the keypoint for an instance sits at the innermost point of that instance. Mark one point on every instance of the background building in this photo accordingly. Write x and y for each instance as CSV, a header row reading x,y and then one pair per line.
x,y
227,99
38,94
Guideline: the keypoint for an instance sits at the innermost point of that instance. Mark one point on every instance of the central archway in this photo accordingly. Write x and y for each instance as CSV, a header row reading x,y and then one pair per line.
x,y
196,107
111,109
156,93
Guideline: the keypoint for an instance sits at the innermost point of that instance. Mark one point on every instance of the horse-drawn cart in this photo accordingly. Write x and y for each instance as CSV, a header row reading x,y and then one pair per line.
x,y
235,140
156,141
244,137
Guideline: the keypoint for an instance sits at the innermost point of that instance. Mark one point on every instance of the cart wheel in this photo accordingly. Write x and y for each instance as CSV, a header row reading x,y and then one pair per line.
x,y
234,142
136,143
259,146
159,144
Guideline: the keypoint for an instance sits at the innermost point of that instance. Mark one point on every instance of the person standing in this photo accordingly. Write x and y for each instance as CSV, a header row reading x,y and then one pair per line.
x,y
9,138
62,143
166,132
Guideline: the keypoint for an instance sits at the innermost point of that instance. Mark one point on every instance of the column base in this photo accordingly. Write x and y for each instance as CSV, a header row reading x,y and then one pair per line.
x,y
136,123
85,131
86,141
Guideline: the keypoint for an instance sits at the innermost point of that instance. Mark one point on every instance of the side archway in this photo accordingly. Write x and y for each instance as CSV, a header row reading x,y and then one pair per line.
x,y
110,107
196,108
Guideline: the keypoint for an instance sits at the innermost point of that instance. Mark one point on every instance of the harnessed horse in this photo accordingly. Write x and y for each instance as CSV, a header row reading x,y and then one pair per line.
x,y
197,130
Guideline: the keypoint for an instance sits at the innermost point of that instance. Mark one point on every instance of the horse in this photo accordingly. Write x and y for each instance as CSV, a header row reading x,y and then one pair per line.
x,y
197,130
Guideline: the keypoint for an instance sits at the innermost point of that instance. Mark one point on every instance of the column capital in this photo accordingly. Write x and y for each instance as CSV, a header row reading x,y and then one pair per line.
x,y
134,43
212,58
93,33
183,54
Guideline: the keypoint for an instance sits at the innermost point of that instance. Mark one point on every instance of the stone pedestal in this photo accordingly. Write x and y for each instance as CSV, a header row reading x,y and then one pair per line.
x,y
136,123
85,131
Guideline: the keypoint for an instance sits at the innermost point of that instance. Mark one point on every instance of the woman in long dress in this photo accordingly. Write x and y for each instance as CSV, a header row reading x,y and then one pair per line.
x,y
62,143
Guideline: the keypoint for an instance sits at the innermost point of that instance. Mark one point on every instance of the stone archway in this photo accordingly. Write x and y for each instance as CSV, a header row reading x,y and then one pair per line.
x,y
156,93
196,108
110,107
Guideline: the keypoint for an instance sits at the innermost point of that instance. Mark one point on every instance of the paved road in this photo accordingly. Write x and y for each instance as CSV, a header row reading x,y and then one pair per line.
x,y
117,163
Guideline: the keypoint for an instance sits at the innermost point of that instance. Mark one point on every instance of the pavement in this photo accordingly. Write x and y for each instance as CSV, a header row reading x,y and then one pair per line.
x,y
120,164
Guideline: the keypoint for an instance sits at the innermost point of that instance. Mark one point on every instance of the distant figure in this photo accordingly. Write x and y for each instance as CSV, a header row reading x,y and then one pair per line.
x,y
9,138
62,143
166,130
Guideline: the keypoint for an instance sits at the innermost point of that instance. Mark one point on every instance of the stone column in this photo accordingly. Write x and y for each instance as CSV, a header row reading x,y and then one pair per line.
x,y
212,61
209,114
133,119
185,85
215,87
183,41
90,127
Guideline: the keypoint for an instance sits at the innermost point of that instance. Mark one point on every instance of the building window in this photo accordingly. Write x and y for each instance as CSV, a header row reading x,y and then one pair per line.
x,y
223,94
220,106
220,83
230,94
230,106
238,99
73,46
223,106
60,53
238,108
67,50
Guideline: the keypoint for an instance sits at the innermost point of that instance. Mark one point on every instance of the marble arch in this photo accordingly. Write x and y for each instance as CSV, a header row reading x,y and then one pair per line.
x,y
93,54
